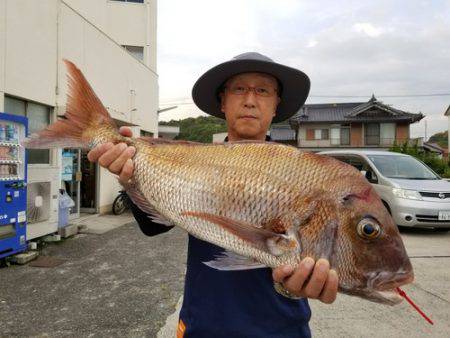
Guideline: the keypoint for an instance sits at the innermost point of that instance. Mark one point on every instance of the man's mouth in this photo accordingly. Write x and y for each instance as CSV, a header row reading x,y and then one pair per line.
x,y
248,117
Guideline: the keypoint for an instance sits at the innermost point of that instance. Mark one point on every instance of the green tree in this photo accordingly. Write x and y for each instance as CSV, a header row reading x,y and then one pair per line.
x,y
199,129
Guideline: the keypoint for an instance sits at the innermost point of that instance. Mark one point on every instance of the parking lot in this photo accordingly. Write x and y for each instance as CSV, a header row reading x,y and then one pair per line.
x,y
352,317
123,284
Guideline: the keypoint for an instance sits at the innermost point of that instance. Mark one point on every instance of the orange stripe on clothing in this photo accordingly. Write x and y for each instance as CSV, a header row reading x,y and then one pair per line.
x,y
181,329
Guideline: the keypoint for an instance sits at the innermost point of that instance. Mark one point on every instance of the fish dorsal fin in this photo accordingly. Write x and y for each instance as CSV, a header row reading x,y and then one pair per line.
x,y
138,198
230,261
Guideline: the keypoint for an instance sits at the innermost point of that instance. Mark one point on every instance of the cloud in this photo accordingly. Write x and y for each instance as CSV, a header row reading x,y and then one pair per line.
x,y
346,48
311,43
368,29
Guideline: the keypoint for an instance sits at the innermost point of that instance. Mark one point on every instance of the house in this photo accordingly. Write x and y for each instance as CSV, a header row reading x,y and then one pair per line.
x,y
436,149
371,124
447,113
168,132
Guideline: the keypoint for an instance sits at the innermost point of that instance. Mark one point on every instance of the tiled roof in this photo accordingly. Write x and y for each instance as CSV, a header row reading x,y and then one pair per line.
x,y
373,110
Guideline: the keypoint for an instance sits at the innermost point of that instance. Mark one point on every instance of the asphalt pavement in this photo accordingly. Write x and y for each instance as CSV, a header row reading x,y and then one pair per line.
x,y
120,283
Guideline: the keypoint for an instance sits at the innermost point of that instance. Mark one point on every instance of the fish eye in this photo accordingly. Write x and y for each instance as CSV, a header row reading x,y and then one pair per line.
x,y
368,229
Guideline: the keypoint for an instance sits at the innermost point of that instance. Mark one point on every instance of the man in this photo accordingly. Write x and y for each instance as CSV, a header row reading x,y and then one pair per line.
x,y
250,92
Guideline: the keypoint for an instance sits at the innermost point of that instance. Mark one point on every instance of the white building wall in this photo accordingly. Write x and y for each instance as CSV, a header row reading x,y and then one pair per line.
x,y
2,54
36,35
128,23
29,52
127,87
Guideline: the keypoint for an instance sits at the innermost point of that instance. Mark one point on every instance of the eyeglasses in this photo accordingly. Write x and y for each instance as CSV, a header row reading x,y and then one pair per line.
x,y
243,90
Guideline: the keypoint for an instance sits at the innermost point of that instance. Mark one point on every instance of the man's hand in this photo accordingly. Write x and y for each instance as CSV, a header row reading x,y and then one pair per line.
x,y
310,279
115,158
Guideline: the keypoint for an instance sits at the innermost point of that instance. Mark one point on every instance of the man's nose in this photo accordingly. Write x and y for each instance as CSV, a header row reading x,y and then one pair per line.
x,y
250,99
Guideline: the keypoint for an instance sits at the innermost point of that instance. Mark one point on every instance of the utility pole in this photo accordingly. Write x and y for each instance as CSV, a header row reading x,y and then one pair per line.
x,y
425,140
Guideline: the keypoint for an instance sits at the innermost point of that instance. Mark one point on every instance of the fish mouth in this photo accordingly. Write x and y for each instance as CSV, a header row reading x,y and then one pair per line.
x,y
387,297
386,280
381,286
386,284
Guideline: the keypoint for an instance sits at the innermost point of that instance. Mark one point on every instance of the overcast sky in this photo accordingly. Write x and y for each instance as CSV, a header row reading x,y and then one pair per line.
x,y
347,48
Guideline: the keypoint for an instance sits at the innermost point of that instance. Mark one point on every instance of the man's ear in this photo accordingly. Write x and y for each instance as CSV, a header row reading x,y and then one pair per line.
x,y
222,105
278,102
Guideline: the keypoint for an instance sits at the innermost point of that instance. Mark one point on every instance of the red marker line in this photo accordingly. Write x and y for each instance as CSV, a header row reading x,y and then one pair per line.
x,y
403,294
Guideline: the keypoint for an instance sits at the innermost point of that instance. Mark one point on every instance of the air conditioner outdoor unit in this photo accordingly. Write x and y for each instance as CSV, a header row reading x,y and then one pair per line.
x,y
38,201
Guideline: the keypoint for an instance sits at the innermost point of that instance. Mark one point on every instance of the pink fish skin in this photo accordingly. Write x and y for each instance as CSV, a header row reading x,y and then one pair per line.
x,y
269,203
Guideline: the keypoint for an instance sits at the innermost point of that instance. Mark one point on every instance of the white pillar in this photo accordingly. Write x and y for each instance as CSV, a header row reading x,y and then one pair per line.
x,y
2,101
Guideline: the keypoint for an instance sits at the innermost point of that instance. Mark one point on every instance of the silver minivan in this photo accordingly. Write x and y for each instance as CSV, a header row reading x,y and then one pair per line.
x,y
413,194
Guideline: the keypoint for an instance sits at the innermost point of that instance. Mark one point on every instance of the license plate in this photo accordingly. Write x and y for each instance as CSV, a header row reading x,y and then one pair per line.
x,y
444,215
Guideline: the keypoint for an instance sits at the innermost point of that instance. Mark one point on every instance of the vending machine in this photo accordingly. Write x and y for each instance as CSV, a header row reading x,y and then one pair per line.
x,y
13,178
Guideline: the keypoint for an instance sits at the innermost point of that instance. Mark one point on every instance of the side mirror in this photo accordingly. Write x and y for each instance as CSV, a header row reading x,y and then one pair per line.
x,y
371,177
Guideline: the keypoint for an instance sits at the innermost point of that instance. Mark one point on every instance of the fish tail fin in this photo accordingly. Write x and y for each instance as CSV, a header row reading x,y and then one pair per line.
x,y
84,120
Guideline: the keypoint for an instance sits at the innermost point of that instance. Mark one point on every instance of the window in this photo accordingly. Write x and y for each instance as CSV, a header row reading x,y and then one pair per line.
x,y
345,136
136,51
340,136
335,136
387,133
317,134
38,118
360,164
321,134
372,134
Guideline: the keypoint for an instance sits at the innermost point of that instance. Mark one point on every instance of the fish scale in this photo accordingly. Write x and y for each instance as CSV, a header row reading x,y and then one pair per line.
x,y
265,201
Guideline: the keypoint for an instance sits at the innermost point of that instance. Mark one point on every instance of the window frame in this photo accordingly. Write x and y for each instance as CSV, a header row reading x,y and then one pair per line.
x,y
51,156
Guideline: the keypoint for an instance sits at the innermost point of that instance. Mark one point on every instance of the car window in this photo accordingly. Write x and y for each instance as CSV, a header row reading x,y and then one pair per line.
x,y
402,167
356,161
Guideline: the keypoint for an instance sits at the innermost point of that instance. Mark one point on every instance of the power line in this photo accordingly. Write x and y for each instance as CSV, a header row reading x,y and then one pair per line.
x,y
363,96
183,100
176,103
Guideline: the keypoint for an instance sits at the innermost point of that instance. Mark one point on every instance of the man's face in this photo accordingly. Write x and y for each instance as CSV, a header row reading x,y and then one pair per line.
x,y
249,115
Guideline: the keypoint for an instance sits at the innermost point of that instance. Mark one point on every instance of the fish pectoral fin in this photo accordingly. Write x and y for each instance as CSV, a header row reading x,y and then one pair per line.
x,y
230,261
269,241
138,198
328,242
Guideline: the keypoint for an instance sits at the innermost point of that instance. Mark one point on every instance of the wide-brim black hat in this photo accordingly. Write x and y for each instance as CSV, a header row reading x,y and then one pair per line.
x,y
294,84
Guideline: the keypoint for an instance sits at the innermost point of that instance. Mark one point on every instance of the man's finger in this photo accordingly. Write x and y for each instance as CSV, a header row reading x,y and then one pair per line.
x,y
320,274
282,272
127,172
111,155
125,131
117,165
330,289
294,283
98,151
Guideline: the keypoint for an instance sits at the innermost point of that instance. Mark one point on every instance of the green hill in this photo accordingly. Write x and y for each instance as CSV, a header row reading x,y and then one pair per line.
x,y
440,138
199,129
